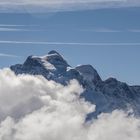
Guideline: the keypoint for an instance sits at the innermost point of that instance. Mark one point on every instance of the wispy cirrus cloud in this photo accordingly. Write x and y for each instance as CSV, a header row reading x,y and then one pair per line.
x,y
18,27
8,55
109,30
101,30
12,29
70,43
62,5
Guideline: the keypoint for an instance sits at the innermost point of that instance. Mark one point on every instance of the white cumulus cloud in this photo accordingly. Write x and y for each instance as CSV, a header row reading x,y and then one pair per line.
x,y
33,108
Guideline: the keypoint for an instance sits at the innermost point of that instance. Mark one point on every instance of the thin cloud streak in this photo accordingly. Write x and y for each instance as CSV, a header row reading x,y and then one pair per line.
x,y
63,5
69,43
16,25
13,30
8,55
107,30
9,29
102,30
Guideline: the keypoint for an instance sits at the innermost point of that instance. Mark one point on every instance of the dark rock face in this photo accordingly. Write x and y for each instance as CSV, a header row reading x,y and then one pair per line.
x,y
107,95
89,73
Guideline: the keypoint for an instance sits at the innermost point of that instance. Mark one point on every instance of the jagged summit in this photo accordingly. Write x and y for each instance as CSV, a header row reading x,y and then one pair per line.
x,y
107,95
89,73
49,66
32,61
53,52
56,60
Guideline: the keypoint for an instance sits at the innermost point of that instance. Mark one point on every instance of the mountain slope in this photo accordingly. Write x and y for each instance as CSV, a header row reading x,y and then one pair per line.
x,y
107,95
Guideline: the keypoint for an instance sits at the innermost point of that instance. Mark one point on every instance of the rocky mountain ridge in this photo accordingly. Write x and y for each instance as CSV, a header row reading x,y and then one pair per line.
x,y
108,95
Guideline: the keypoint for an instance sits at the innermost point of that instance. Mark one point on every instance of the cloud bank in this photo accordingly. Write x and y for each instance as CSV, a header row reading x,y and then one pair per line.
x,y
33,108
63,5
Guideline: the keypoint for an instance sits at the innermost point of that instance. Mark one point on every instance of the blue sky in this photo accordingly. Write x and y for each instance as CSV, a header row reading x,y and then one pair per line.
x,y
108,38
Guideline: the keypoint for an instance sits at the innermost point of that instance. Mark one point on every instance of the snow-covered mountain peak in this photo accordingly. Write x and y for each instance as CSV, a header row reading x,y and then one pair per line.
x,y
89,73
53,52
52,66
52,61
107,95
57,60
32,61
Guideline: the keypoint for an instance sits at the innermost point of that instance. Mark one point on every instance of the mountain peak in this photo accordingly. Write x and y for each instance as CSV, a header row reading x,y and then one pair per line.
x,y
51,64
57,60
89,73
53,52
107,95
32,61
